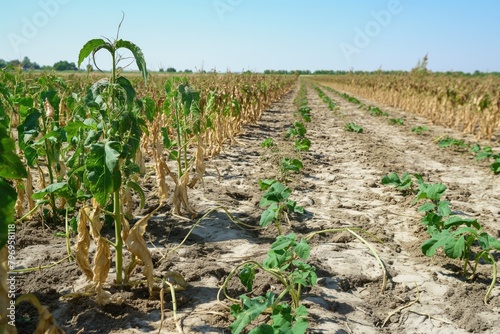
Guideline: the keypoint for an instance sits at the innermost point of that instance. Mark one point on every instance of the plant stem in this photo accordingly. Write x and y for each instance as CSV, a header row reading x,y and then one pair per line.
x,y
68,246
494,278
48,149
179,142
118,236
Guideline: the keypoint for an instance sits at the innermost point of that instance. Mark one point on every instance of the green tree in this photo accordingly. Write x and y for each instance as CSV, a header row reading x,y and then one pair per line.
x,y
63,65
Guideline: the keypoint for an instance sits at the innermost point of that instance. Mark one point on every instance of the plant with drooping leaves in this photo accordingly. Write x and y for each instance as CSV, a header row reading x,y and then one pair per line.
x,y
110,168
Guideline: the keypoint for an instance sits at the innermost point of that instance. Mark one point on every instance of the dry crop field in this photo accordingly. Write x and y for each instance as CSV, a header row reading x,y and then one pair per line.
x,y
242,203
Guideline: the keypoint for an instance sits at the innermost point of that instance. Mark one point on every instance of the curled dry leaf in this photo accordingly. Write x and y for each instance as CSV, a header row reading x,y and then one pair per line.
x,y
137,246
101,263
181,196
176,279
139,160
200,163
98,273
128,202
83,244
19,207
102,256
49,110
29,192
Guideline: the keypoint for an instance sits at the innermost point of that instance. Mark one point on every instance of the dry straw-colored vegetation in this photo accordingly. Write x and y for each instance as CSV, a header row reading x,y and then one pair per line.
x,y
468,103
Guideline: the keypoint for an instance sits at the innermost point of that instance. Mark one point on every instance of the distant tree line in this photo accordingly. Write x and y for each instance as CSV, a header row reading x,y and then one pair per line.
x,y
421,68
27,64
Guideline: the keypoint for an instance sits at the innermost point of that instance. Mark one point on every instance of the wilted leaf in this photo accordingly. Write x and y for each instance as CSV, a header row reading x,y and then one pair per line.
x,y
137,246
83,244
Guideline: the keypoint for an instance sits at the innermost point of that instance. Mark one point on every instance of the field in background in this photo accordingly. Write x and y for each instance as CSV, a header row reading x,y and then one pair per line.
x,y
468,103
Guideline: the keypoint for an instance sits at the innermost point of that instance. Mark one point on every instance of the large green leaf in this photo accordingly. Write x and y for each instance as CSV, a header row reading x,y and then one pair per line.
x,y
103,173
112,150
150,109
89,48
455,247
276,193
138,55
302,249
59,188
8,199
427,207
269,215
454,221
431,191
11,166
488,242
391,179
437,241
126,85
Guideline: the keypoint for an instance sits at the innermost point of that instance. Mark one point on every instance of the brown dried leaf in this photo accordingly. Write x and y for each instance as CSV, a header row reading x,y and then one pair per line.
x,y
49,110
83,244
102,262
181,196
19,207
139,160
200,163
29,191
128,202
137,246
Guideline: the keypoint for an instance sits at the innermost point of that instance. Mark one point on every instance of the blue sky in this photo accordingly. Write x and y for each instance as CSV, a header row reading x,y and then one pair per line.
x,y
262,34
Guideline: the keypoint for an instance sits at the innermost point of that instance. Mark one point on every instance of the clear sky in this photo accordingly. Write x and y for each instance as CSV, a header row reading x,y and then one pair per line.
x,y
262,34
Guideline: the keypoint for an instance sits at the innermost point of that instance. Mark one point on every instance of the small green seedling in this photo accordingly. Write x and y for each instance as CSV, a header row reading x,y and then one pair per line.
x,y
305,113
302,144
352,127
487,153
419,129
267,143
375,111
290,165
278,204
405,183
450,142
284,261
297,129
396,121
